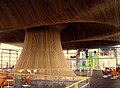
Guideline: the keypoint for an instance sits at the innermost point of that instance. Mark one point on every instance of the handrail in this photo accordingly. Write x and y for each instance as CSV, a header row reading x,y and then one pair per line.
x,y
77,82
48,75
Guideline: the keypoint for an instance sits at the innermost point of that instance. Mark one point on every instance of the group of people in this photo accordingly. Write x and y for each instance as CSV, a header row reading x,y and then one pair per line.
x,y
113,72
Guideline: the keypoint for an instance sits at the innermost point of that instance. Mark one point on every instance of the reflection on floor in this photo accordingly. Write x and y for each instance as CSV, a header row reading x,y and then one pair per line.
x,y
97,81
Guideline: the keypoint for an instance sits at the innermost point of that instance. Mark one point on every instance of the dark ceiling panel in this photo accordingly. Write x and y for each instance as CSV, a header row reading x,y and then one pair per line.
x,y
81,21
89,44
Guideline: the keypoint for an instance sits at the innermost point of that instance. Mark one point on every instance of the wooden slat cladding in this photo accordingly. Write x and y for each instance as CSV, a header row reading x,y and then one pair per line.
x,y
43,51
73,33
89,44
81,31
16,36
86,19
30,13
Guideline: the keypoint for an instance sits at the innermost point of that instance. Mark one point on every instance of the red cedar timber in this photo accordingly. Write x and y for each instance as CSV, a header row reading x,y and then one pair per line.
x,y
42,51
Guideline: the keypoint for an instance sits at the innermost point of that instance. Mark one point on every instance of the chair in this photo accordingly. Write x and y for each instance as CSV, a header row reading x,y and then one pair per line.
x,y
105,74
8,81
2,79
113,74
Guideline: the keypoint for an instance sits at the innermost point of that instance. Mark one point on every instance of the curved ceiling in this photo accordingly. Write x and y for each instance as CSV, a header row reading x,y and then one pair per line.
x,y
85,23
89,35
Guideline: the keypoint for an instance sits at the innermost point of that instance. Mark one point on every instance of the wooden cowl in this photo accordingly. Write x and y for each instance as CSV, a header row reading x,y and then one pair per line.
x,y
43,52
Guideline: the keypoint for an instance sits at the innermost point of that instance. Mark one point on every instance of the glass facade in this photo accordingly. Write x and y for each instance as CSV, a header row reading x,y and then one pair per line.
x,y
80,58
9,54
95,58
118,56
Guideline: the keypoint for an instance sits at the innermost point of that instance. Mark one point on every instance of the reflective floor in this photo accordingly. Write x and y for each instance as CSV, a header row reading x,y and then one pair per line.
x,y
97,81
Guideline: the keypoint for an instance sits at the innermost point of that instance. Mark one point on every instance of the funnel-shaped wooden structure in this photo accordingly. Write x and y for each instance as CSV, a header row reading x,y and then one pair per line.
x,y
43,52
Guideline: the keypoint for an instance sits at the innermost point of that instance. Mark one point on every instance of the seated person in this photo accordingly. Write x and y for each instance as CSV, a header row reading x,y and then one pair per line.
x,y
104,72
118,70
107,70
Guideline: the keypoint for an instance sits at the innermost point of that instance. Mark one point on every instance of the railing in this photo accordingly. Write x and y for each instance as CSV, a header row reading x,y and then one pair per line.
x,y
80,84
53,81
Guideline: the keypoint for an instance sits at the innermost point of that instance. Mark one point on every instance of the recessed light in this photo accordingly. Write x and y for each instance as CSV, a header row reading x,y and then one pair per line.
x,y
13,14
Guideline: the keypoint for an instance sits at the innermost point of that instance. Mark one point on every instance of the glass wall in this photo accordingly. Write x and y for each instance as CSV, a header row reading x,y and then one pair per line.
x,y
80,58
9,54
95,58
8,57
118,56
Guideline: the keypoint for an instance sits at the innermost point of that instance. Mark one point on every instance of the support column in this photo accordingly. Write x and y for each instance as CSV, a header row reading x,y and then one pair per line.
x,y
42,51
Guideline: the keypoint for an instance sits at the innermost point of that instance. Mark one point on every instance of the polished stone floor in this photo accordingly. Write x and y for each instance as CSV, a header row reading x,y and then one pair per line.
x,y
97,81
